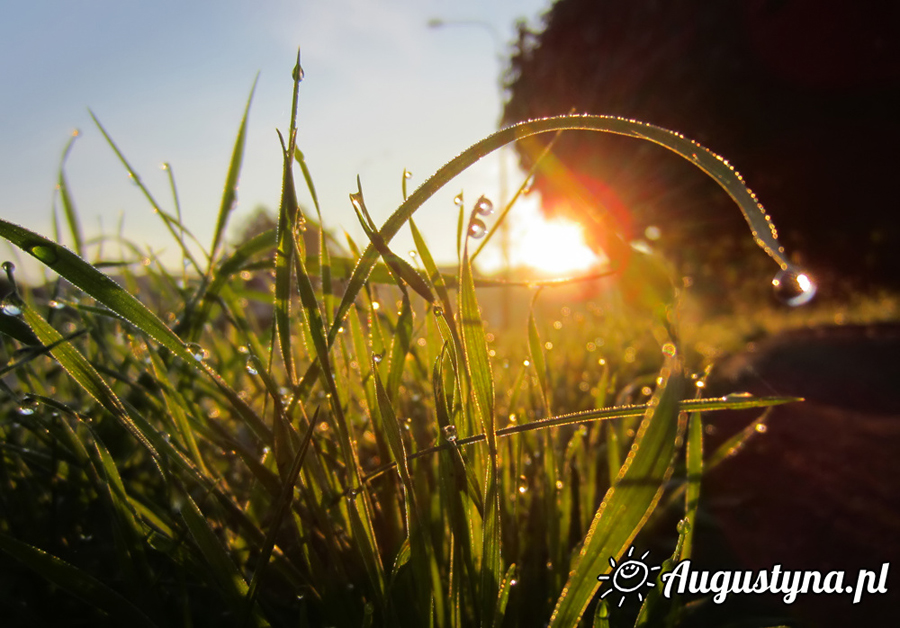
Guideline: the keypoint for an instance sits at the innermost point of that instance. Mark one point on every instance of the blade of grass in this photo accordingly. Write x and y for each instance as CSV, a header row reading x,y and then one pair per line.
x,y
106,291
629,502
707,161
68,205
77,582
229,196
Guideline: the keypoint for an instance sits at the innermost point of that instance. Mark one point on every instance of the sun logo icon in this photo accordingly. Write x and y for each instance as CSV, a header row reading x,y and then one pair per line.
x,y
629,576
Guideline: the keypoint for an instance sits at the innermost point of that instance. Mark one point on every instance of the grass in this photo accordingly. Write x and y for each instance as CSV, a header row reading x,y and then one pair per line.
x,y
306,456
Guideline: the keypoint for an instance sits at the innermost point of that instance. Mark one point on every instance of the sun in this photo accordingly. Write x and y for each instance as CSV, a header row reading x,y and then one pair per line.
x,y
555,246
630,576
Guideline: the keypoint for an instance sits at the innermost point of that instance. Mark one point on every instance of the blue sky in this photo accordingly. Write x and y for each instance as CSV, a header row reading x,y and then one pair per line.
x,y
169,81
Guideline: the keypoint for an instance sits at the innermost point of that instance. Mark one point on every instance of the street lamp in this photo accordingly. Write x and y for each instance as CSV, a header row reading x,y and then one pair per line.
x,y
501,153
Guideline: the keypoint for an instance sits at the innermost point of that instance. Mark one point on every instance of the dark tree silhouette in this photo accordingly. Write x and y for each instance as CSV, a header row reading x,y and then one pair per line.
x,y
802,96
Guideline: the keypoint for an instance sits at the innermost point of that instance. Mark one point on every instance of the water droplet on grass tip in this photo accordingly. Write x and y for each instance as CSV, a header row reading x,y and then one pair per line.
x,y
252,365
477,228
56,305
458,199
484,206
407,174
793,287
378,358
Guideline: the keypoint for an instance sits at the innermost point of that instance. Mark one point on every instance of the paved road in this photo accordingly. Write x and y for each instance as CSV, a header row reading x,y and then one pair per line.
x,y
820,489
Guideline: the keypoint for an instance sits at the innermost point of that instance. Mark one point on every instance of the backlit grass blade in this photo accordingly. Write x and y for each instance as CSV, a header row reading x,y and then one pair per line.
x,y
82,372
234,263
68,205
77,582
106,291
478,368
398,266
629,502
289,219
170,222
229,196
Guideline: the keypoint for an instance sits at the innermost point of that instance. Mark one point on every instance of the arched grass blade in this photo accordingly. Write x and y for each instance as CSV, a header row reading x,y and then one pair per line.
x,y
713,165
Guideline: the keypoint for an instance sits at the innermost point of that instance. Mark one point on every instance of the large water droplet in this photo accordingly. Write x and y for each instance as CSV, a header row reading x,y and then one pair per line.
x,y
197,351
378,358
477,228
27,406
458,199
407,174
356,199
252,365
10,309
450,433
793,287
484,206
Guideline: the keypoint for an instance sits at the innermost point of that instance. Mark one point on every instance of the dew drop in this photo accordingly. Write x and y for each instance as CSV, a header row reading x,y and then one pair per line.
x,y
793,287
438,310
252,365
458,199
738,396
407,174
11,309
27,406
669,349
197,351
477,229
356,199
523,485
378,357
450,433
761,428
57,305
484,206
298,72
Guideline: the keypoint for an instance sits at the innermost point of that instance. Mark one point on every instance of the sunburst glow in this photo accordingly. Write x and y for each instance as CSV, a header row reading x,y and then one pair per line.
x,y
554,246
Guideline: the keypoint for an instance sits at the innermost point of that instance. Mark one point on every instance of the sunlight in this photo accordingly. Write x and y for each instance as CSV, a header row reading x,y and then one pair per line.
x,y
553,246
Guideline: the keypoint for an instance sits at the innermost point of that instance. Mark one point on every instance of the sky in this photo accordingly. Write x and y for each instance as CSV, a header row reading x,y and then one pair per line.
x,y
169,81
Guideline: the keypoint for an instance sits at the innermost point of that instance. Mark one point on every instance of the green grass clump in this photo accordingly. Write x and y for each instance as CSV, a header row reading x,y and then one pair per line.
x,y
307,456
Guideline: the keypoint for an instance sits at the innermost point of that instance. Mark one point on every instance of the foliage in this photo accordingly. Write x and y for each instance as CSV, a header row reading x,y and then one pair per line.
x,y
265,451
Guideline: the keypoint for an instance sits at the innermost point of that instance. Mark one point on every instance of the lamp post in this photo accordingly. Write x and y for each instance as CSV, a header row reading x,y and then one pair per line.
x,y
501,153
